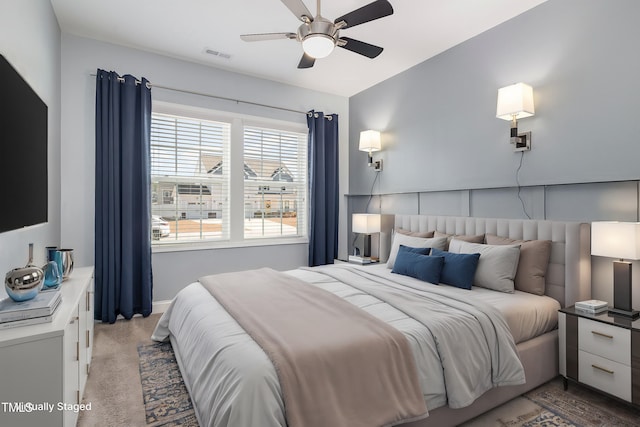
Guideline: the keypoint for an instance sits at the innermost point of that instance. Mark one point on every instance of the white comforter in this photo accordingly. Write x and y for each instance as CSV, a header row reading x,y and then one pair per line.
x,y
233,383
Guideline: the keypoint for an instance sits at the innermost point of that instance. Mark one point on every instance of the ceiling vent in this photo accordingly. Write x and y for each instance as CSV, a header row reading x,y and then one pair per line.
x,y
217,53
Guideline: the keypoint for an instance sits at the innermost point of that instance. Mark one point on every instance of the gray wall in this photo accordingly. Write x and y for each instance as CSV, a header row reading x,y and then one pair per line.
x,y
172,270
438,118
30,41
445,153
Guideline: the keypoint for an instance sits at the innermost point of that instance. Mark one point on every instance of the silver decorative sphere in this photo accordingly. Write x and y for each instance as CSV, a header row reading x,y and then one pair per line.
x,y
24,283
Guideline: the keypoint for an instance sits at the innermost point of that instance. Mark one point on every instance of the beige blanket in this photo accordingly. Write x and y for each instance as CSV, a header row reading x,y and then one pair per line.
x,y
337,365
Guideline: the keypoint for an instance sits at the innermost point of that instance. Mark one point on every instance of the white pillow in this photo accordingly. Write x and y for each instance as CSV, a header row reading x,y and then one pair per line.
x,y
497,266
413,242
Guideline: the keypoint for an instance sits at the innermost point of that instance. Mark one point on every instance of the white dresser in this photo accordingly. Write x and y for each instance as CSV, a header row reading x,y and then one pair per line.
x,y
47,365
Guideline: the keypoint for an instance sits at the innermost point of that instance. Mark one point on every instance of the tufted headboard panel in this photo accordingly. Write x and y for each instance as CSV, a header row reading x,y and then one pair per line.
x,y
568,276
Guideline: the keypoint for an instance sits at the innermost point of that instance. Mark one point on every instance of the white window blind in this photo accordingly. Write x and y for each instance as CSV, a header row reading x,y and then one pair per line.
x,y
189,178
275,183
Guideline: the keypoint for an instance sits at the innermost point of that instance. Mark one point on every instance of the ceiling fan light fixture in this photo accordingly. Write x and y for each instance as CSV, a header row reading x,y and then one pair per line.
x,y
318,45
319,36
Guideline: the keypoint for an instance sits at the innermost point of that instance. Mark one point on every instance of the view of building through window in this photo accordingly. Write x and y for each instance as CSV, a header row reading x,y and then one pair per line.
x,y
190,181
275,167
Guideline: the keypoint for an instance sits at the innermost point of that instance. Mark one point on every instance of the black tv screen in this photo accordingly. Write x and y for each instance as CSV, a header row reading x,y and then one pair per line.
x,y
23,152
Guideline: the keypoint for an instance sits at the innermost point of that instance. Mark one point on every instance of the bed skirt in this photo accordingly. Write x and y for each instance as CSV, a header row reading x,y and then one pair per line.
x,y
535,355
539,356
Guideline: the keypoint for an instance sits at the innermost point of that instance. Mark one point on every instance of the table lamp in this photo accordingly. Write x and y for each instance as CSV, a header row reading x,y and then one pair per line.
x,y
366,224
618,240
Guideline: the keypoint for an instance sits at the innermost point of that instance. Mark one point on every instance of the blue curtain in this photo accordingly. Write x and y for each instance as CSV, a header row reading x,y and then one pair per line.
x,y
323,188
123,277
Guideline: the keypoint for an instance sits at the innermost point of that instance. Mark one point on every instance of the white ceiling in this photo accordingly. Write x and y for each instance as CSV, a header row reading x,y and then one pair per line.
x,y
418,30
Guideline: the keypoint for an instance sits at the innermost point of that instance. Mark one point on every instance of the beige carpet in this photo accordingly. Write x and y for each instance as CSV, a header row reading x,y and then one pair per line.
x,y
115,392
113,387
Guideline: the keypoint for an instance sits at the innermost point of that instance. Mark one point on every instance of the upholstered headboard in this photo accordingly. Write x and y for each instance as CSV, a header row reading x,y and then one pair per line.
x,y
568,277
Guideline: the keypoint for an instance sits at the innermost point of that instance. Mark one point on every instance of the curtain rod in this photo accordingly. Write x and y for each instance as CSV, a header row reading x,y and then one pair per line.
x,y
237,101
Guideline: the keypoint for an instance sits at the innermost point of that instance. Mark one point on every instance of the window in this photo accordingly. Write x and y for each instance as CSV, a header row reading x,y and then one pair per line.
x,y
192,168
275,182
195,199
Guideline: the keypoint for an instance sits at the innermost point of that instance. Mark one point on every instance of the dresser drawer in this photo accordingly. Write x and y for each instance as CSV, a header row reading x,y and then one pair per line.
x,y
604,374
608,341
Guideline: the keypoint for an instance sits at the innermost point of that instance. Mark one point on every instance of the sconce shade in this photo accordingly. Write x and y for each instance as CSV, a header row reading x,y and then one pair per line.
x,y
616,239
515,100
366,223
369,141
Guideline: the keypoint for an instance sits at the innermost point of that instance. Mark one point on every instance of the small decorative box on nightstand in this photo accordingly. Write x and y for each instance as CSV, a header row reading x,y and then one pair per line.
x,y
601,351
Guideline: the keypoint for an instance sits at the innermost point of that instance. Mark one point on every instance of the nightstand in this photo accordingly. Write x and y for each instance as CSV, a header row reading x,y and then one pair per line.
x,y
601,351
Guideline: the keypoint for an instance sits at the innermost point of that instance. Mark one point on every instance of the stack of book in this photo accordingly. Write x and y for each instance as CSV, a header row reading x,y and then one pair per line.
x,y
37,310
592,306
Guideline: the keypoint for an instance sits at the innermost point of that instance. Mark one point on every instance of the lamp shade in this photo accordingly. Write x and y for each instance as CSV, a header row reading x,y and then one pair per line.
x,y
366,223
515,100
616,239
369,141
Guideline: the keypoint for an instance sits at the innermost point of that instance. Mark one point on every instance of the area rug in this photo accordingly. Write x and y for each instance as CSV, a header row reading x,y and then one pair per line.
x,y
583,407
167,402
166,399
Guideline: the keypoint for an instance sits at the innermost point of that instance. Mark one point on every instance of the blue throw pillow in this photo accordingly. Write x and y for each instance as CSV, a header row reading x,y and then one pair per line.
x,y
421,251
418,266
458,269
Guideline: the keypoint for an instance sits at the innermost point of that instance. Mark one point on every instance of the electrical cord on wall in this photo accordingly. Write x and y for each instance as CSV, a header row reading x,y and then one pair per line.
x,y
524,209
373,184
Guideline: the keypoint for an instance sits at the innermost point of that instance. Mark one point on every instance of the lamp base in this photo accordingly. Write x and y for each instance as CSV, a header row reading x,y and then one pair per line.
x,y
633,314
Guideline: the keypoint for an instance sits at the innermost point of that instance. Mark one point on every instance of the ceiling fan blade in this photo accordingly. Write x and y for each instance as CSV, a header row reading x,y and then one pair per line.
x,y
298,8
267,36
376,10
366,49
306,61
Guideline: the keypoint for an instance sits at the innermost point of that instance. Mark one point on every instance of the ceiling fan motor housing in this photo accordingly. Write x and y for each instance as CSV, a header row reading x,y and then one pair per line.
x,y
319,26
318,37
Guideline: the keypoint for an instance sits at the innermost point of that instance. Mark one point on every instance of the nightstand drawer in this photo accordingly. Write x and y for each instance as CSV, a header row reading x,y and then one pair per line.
x,y
611,342
604,374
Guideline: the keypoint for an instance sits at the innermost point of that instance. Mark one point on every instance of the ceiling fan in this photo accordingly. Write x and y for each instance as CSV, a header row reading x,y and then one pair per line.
x,y
319,36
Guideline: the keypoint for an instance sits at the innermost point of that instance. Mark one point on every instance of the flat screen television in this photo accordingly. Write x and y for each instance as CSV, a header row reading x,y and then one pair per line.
x,y
23,152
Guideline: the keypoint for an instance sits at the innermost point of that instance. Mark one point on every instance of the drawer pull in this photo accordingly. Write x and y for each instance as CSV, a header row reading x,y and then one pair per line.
x,y
608,371
602,335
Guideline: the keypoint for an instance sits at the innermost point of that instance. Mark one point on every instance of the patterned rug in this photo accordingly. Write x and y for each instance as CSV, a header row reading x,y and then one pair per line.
x,y
579,406
544,418
166,399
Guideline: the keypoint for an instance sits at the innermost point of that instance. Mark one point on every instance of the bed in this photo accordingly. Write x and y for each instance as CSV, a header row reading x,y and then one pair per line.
x,y
202,332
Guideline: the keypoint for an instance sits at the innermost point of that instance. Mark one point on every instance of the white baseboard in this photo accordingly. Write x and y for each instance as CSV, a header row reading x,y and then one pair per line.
x,y
156,307
160,306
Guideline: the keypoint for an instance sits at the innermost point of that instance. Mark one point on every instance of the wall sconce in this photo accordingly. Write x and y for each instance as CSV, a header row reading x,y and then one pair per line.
x,y
618,240
366,224
516,102
370,142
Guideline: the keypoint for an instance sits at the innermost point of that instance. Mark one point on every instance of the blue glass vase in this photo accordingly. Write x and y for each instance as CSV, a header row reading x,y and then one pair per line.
x,y
53,254
52,275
